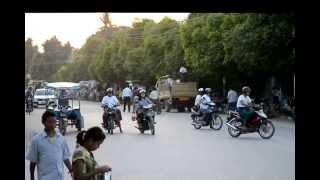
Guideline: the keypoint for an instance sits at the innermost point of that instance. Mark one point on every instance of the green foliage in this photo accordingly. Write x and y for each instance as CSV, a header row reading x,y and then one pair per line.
x,y
243,48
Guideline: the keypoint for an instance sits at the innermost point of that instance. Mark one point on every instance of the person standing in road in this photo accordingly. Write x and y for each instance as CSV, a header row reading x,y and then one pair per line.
x,y
126,96
49,151
154,97
232,100
84,164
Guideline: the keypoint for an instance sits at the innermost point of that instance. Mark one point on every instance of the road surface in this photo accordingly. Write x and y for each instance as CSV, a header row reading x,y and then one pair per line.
x,y
179,152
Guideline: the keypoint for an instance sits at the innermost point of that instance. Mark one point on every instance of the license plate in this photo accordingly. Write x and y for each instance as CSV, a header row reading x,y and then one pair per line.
x,y
150,114
184,99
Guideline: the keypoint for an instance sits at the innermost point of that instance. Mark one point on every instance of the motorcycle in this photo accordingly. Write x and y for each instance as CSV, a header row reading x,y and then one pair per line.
x,y
29,105
258,123
109,119
146,115
213,119
63,119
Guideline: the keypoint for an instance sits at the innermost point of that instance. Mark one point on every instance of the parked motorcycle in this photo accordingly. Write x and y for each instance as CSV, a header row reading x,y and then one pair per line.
x,y
213,119
258,123
146,119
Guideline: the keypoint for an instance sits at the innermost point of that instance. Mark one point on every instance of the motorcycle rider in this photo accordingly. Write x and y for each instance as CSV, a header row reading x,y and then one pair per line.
x,y
204,104
63,98
111,101
140,101
243,105
198,98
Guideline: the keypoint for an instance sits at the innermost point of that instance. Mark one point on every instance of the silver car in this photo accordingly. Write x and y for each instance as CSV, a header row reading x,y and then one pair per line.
x,y
43,97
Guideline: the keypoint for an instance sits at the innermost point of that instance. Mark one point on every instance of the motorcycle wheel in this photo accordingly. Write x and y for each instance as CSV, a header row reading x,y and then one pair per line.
x,y
111,126
266,129
233,132
151,126
216,122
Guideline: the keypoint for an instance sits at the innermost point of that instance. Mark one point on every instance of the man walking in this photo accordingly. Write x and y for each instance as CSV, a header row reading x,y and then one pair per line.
x,y
49,151
126,96
232,100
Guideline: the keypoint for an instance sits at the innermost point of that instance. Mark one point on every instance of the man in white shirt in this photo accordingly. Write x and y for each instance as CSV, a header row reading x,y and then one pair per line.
x,y
198,97
111,101
232,100
204,103
126,96
244,103
154,97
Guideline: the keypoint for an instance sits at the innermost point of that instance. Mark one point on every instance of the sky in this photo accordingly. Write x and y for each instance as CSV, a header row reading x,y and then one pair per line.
x,y
77,27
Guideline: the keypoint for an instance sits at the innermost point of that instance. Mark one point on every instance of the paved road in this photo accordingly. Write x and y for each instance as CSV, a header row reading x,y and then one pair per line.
x,y
179,152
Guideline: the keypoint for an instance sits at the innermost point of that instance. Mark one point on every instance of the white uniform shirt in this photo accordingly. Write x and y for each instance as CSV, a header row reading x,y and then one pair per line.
x,y
183,70
243,101
232,96
154,95
110,101
126,92
204,101
197,101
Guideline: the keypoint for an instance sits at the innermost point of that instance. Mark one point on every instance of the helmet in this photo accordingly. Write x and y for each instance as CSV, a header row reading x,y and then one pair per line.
x,y
109,90
208,90
142,91
200,90
246,89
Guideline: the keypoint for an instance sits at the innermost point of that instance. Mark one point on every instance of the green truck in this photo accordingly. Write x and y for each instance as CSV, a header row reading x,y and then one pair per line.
x,y
174,94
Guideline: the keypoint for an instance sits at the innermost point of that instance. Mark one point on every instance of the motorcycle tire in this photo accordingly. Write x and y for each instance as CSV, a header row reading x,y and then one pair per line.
x,y
216,122
151,126
232,132
261,129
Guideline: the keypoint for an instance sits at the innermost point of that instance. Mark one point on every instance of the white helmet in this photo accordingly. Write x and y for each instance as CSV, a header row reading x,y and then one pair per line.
x,y
109,90
142,91
200,90
208,90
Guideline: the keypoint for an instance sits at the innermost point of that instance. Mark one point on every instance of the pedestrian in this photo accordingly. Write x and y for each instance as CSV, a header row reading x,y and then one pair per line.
x,y
126,96
154,97
84,164
232,99
49,151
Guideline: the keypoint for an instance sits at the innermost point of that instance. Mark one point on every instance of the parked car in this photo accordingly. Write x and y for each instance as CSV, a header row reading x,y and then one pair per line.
x,y
43,97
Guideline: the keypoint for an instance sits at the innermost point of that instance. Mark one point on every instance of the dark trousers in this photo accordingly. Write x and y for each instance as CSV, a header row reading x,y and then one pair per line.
x,y
126,101
232,106
246,114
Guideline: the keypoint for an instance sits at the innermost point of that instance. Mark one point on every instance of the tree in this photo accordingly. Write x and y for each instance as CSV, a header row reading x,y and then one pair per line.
x,y
31,53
